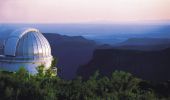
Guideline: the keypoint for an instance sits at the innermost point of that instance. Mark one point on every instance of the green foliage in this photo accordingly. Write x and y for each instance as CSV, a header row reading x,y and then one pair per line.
x,y
44,86
41,71
9,93
22,74
54,62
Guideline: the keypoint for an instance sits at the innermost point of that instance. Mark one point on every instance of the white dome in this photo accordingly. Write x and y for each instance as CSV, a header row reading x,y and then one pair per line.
x,y
26,47
27,43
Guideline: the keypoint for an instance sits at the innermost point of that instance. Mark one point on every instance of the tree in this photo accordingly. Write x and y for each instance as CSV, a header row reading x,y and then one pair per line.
x,y
22,74
40,71
54,62
120,86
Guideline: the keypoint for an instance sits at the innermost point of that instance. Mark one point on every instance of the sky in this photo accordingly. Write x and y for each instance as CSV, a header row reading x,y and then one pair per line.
x,y
78,11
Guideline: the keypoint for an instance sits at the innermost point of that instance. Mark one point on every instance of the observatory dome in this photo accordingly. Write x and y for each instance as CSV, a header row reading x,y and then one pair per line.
x,y
26,47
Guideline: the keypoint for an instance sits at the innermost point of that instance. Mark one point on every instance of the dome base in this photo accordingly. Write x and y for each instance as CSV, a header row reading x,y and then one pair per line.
x,y
12,65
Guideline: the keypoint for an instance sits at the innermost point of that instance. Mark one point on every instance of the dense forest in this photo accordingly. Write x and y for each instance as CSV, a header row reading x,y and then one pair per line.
x,y
47,86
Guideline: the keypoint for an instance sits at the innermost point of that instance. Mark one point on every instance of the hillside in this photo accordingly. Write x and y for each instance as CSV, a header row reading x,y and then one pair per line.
x,y
149,65
74,51
71,52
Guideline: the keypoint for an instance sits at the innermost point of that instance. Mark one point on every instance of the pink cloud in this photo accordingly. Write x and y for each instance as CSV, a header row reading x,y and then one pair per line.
x,y
83,11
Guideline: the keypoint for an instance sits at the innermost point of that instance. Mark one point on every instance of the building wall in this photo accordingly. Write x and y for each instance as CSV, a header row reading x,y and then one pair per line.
x,y
29,66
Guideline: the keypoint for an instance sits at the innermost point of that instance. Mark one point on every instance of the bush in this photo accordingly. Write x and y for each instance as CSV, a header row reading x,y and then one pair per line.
x,y
43,86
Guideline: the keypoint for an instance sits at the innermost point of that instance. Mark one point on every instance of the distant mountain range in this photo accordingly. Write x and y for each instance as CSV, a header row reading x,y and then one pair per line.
x,y
149,65
75,51
146,41
124,30
144,44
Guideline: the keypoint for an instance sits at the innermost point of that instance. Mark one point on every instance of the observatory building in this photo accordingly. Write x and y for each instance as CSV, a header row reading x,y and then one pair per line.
x,y
26,48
